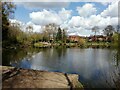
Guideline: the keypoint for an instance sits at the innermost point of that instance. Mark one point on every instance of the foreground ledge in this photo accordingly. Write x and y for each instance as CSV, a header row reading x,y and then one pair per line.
x,y
25,78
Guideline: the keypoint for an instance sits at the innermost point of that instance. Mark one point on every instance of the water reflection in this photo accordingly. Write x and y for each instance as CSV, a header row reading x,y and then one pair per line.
x,y
117,57
49,59
96,67
12,55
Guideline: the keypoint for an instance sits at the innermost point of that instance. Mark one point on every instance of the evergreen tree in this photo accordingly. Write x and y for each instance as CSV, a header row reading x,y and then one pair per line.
x,y
59,34
64,36
7,11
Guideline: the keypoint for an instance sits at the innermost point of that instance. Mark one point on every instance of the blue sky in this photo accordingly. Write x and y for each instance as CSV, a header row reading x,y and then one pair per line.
x,y
77,17
22,13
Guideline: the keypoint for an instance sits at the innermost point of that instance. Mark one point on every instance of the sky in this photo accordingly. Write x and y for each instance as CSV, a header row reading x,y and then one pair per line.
x,y
77,18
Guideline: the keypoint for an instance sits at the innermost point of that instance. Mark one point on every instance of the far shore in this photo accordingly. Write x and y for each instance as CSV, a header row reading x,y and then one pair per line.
x,y
66,45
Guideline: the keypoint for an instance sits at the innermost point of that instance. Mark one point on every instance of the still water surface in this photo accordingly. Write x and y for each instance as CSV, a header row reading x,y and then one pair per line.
x,y
96,67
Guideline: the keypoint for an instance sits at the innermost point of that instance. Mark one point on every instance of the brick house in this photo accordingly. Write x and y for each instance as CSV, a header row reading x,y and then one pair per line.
x,y
74,38
99,38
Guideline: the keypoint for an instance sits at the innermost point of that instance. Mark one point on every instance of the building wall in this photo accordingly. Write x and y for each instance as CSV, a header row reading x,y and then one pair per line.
x,y
74,38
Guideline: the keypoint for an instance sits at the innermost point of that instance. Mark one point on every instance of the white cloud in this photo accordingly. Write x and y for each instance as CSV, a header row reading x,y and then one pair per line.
x,y
80,31
86,23
19,23
105,3
86,10
64,25
48,16
76,25
45,17
114,21
83,26
111,11
16,22
36,28
76,21
65,14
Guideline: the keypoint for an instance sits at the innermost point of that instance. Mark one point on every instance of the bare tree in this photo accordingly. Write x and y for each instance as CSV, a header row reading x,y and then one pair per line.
x,y
118,29
29,29
95,29
50,30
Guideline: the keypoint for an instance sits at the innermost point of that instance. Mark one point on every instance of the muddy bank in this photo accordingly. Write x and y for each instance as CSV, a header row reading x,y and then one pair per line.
x,y
24,78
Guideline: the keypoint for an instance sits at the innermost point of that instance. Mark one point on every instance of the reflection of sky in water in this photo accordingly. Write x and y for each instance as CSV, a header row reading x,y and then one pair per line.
x,y
23,64
95,66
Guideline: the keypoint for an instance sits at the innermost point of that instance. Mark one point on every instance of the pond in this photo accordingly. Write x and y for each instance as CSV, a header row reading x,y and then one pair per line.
x,y
97,68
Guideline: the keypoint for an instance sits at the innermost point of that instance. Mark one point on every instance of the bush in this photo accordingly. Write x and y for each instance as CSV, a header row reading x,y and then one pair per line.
x,y
82,41
38,44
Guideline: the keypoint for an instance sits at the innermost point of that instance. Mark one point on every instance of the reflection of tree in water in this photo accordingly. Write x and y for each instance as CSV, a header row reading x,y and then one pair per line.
x,y
117,60
47,53
115,75
117,81
118,52
51,57
117,57
53,53
13,55
61,51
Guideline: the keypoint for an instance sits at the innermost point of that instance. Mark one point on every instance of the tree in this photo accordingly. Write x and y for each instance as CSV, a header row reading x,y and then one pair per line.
x,y
16,35
64,36
82,41
109,30
59,34
50,31
45,36
116,37
29,29
7,11
36,37
54,31
95,29
118,29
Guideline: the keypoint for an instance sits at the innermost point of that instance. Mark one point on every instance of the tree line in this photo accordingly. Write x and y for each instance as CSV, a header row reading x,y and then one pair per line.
x,y
113,33
13,35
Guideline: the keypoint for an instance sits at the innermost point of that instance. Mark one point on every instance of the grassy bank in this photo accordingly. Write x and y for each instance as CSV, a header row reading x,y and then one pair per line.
x,y
86,45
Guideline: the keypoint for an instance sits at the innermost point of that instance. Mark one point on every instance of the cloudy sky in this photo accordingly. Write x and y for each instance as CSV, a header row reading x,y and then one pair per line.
x,y
77,17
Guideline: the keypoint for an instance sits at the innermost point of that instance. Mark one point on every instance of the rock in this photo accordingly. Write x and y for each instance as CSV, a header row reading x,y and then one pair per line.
x,y
74,81
24,78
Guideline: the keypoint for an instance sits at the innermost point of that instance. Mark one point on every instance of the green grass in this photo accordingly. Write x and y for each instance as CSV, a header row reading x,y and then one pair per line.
x,y
39,44
97,43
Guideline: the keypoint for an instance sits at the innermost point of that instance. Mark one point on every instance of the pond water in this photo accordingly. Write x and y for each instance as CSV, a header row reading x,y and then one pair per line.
x,y
97,68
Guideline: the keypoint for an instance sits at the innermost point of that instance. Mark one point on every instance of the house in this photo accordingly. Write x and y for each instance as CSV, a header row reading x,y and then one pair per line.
x,y
99,38
75,38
